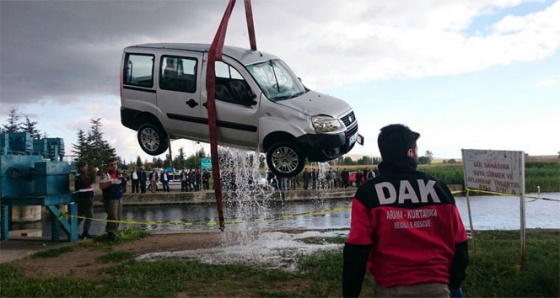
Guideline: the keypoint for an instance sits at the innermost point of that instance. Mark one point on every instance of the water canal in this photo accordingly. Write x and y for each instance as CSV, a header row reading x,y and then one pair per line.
x,y
488,213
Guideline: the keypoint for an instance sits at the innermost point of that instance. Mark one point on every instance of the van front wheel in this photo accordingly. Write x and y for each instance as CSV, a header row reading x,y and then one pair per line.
x,y
285,159
152,139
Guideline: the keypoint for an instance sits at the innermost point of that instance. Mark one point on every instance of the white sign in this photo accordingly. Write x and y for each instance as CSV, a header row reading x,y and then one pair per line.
x,y
499,171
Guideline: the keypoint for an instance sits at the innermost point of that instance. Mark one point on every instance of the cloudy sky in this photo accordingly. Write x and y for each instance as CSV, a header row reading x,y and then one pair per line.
x,y
478,74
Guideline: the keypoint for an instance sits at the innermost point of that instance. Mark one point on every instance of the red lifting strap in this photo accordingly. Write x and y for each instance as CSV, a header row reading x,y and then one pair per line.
x,y
215,54
250,24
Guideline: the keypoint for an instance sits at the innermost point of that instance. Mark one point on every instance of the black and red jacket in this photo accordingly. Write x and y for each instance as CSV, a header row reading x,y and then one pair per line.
x,y
405,229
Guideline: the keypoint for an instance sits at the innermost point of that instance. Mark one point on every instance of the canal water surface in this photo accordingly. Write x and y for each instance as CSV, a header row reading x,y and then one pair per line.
x,y
488,213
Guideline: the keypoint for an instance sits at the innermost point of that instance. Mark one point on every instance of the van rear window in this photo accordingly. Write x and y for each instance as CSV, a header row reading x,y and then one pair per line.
x,y
139,70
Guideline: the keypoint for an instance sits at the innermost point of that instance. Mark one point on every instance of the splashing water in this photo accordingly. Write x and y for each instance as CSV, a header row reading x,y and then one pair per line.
x,y
246,200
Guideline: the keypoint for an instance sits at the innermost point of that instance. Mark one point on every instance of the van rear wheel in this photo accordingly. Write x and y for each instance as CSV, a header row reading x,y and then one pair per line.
x,y
152,139
285,159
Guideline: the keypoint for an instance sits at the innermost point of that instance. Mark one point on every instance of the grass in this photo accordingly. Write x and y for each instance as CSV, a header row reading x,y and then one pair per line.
x,y
545,175
116,256
494,271
52,253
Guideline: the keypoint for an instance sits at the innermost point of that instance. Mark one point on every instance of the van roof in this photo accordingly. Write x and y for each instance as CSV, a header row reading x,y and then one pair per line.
x,y
245,56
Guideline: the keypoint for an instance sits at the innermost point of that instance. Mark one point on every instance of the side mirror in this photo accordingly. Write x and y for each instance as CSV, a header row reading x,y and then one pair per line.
x,y
248,98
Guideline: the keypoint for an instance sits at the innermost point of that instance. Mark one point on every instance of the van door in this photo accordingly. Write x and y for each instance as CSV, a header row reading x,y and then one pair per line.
x,y
179,94
237,106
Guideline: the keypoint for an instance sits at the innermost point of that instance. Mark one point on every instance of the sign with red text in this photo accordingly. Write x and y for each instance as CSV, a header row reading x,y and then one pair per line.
x,y
499,171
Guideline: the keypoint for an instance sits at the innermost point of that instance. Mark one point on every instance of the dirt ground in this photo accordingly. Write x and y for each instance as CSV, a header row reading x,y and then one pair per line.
x,y
83,260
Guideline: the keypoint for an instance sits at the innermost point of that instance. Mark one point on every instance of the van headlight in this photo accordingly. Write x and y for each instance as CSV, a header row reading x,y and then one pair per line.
x,y
327,124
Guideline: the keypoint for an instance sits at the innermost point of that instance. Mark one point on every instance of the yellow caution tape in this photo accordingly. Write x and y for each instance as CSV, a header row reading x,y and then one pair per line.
x,y
279,217
209,223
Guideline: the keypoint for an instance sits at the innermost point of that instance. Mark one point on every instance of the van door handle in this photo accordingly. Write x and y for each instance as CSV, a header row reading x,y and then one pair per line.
x,y
192,103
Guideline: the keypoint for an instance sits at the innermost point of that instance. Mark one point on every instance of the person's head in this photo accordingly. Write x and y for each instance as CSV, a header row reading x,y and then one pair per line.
x,y
397,141
112,164
82,165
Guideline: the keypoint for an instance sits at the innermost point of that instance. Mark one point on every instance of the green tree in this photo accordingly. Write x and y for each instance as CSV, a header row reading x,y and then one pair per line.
x,y
13,122
201,153
430,156
347,161
31,127
157,162
92,148
138,161
179,161
80,149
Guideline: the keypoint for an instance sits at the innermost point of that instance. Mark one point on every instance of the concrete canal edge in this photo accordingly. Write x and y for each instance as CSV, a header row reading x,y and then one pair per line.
x,y
175,197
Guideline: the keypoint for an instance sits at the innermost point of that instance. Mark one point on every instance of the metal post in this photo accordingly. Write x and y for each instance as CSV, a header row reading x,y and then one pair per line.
x,y
470,220
522,207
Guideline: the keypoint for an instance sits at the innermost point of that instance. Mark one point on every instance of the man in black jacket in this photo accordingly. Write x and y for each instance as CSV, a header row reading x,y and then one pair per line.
x,y
405,228
83,185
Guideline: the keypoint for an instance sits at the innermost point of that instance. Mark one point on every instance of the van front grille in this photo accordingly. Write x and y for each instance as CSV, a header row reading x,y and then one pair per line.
x,y
349,119
351,131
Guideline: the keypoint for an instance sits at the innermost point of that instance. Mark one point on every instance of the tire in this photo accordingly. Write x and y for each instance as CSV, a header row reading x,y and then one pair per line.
x,y
285,159
152,139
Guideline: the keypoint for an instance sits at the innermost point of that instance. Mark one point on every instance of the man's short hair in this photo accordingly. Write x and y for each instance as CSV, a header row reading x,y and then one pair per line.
x,y
81,163
394,141
110,160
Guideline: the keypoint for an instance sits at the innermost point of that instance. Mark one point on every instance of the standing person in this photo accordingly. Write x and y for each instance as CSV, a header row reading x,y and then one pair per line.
x,y
164,178
344,176
206,180
135,180
192,179
369,174
359,176
336,178
184,180
328,179
197,179
125,179
314,178
83,185
375,172
306,176
111,185
405,228
142,179
271,179
153,180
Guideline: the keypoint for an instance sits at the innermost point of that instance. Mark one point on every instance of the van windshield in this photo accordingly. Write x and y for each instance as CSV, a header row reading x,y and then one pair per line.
x,y
276,80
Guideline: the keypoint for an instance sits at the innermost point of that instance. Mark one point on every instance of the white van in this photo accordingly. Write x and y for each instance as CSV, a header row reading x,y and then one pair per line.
x,y
260,103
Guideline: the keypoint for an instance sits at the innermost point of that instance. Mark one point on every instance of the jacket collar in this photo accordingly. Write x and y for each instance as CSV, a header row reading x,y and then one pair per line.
x,y
398,165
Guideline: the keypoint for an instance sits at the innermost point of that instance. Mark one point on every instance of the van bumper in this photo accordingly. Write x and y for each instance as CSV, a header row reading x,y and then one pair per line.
x,y
325,147
129,118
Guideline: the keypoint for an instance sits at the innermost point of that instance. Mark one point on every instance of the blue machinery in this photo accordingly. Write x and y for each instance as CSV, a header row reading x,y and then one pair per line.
x,y
33,173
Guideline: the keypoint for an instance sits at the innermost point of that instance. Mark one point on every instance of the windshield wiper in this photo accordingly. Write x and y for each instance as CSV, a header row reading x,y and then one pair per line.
x,y
289,96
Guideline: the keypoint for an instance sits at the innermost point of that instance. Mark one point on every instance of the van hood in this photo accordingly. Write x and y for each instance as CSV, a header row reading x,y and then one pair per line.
x,y
314,103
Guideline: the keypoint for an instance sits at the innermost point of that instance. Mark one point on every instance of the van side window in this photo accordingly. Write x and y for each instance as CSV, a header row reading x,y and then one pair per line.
x,y
178,74
230,85
138,70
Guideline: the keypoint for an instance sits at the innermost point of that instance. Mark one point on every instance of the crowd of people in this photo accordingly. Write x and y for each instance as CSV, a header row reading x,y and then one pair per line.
x,y
192,180
335,178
